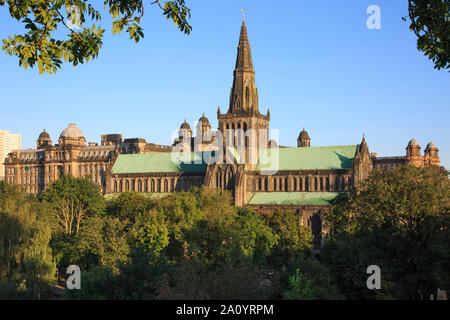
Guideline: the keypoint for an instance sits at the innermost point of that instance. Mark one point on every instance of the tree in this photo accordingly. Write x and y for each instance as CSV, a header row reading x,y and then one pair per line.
x,y
27,268
292,234
300,288
102,242
430,21
398,220
42,19
129,205
72,199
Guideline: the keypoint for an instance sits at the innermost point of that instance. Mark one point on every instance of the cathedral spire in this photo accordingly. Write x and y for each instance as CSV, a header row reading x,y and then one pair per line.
x,y
244,56
244,95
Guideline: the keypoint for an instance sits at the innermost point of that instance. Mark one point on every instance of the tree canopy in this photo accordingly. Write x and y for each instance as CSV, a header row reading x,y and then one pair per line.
x,y
197,245
398,220
430,21
42,44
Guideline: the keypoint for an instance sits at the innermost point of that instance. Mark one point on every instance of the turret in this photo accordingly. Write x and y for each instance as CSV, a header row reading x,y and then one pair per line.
x,y
303,139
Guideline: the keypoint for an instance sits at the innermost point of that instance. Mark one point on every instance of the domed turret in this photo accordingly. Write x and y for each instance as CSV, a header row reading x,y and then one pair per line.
x,y
431,145
413,142
185,125
203,128
72,135
413,148
185,130
203,119
303,139
43,140
431,150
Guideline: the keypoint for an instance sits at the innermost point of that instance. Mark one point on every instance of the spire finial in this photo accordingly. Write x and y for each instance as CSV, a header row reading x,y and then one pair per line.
x,y
243,15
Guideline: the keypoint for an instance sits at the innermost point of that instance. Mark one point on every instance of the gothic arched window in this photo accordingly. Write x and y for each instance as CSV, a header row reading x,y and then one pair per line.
x,y
247,95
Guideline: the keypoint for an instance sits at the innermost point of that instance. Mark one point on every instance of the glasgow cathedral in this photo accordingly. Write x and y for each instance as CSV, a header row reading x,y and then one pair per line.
x,y
238,157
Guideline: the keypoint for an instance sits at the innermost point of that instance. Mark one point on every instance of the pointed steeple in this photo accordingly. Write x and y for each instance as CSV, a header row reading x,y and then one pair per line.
x,y
244,56
244,95
363,146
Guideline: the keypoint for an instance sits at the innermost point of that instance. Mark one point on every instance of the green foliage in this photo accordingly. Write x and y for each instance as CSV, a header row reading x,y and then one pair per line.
x,y
430,21
187,245
300,288
73,199
191,280
290,231
27,268
129,205
42,19
398,220
150,232
102,241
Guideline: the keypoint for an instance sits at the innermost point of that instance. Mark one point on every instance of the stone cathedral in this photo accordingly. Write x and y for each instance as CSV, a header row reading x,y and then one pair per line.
x,y
238,157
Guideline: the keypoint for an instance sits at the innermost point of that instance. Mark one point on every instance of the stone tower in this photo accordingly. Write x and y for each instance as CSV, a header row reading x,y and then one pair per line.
x,y
43,140
303,139
413,153
362,163
243,126
431,157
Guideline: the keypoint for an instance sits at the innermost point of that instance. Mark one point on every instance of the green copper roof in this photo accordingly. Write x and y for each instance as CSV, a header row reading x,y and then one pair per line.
x,y
307,158
288,198
161,162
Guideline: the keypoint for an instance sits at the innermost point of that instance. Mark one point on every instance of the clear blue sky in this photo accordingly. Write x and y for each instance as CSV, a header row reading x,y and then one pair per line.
x,y
317,66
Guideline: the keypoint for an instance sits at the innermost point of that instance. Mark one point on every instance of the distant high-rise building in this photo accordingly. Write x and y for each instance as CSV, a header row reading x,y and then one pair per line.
x,y
8,143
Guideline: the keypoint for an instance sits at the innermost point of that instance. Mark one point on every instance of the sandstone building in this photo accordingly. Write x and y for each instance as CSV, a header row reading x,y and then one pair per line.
x,y
238,157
